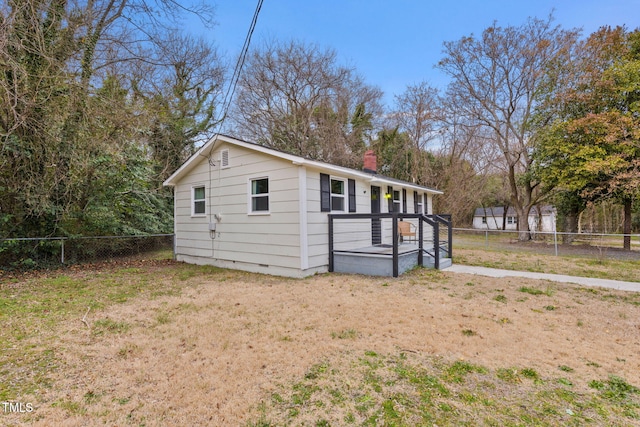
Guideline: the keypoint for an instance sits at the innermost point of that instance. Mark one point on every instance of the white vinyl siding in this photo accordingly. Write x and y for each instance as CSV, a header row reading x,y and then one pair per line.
x,y
318,223
265,240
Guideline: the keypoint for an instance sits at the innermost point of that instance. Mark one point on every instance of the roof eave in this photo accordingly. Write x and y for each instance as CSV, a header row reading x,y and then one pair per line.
x,y
190,163
296,160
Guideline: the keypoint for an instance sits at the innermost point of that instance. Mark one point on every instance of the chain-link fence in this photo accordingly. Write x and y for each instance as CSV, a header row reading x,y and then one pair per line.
x,y
596,245
30,253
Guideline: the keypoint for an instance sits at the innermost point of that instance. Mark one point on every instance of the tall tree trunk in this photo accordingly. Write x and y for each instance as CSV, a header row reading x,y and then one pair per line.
x,y
570,226
524,232
505,208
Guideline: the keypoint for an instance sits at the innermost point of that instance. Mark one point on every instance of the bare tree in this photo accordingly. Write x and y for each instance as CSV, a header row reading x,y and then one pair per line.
x,y
179,93
495,81
465,164
418,114
295,97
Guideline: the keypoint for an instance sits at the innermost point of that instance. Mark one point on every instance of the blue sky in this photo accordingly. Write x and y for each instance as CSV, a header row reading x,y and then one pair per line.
x,y
396,43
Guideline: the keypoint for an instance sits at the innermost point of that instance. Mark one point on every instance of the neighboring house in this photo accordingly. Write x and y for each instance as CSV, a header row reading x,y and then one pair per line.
x,y
494,217
245,206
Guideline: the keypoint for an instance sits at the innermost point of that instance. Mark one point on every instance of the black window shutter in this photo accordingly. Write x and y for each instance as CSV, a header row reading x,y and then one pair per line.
x,y
352,195
404,200
390,199
415,202
325,193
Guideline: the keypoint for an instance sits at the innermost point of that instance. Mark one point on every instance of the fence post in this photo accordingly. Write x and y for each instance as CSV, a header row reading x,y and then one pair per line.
x,y
62,250
486,238
555,240
174,246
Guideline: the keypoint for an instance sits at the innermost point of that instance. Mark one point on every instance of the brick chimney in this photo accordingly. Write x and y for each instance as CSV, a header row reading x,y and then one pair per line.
x,y
370,161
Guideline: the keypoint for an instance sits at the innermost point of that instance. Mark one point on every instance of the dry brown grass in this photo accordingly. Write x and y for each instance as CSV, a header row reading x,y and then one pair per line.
x,y
605,267
201,346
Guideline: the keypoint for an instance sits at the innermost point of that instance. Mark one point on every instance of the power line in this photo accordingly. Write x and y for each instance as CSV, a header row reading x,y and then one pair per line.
x,y
226,103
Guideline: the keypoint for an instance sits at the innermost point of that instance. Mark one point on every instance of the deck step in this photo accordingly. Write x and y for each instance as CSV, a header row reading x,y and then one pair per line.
x,y
429,262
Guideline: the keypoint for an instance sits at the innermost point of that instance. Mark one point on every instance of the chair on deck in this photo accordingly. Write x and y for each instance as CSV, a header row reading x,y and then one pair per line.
x,y
406,232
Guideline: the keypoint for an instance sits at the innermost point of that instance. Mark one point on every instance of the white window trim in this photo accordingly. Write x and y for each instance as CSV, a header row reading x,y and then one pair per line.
x,y
251,195
345,196
193,201
421,209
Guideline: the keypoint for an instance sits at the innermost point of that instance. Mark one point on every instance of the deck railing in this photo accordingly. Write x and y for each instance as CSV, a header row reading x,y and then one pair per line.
x,y
445,243
355,232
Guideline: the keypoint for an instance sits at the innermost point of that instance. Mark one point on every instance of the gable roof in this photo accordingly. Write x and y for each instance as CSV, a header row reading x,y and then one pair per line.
x,y
208,147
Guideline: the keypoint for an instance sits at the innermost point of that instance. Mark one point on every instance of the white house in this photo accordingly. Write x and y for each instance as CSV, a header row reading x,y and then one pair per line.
x,y
245,206
542,219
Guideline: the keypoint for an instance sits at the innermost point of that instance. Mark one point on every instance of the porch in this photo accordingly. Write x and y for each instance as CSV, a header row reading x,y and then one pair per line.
x,y
388,244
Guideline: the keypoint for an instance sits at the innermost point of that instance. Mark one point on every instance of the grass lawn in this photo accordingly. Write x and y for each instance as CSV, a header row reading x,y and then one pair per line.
x,y
153,342
525,259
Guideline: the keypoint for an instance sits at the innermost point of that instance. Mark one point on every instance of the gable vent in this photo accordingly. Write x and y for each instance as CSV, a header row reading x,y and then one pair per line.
x,y
224,158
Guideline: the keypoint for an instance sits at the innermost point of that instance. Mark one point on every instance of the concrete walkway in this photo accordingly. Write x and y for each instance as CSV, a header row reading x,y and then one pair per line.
x,y
584,281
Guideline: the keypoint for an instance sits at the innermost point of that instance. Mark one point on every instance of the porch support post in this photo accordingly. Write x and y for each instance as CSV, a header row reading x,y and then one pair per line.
x,y
330,243
394,234
450,234
420,245
436,245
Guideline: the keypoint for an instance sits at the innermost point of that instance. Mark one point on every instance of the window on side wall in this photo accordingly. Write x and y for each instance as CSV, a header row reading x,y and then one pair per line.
x,y
259,202
337,195
199,203
420,205
511,220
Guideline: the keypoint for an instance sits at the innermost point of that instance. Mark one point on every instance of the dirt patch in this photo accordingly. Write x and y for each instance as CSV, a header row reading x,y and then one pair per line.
x,y
210,355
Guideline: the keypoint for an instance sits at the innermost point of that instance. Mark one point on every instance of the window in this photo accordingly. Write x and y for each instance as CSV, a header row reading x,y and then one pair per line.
x,y
419,203
396,201
198,207
484,219
337,195
260,195
511,220
404,200
335,192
